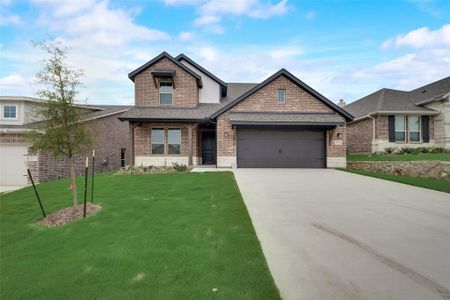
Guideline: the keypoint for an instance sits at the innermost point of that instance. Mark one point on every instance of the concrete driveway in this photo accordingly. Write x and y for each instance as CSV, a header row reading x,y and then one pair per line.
x,y
328,234
10,188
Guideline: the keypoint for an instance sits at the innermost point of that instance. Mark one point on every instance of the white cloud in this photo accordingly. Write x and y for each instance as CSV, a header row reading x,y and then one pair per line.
x,y
206,20
215,29
182,2
186,36
424,57
96,23
212,11
421,38
12,83
310,15
285,52
65,8
251,8
10,20
267,11
408,71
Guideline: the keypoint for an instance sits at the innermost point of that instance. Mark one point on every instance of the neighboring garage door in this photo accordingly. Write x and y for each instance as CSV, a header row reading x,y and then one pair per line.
x,y
280,148
12,165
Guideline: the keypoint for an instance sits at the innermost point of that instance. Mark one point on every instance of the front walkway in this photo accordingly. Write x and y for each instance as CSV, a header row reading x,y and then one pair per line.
x,y
328,234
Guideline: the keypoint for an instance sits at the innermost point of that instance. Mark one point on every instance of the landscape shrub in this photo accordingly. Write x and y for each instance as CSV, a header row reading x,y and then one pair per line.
x,y
437,150
423,149
390,150
179,167
406,150
141,170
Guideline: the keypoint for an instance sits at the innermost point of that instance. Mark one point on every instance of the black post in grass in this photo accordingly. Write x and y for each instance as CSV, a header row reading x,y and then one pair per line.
x,y
92,175
85,185
35,191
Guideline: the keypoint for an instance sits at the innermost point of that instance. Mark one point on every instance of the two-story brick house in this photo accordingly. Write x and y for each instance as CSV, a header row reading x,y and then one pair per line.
x,y
187,115
19,114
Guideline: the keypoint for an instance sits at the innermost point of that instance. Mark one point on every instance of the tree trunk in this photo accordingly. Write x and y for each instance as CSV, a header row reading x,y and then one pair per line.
x,y
74,182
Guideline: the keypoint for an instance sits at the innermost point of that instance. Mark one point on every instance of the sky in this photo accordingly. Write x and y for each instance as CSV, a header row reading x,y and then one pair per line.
x,y
343,49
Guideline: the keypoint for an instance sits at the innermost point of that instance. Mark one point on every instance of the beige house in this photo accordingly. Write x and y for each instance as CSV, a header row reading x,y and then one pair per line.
x,y
395,119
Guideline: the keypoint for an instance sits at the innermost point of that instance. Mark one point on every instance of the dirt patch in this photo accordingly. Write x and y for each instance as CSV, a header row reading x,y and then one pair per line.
x,y
69,214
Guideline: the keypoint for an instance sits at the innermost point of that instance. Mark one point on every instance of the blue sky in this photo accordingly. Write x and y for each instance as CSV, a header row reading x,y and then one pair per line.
x,y
343,49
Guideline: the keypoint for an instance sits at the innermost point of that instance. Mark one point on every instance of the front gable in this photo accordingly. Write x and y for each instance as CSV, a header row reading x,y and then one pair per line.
x,y
299,97
185,92
296,99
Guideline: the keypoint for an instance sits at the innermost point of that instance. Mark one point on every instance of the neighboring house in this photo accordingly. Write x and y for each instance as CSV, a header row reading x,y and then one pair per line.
x,y
395,119
18,115
184,114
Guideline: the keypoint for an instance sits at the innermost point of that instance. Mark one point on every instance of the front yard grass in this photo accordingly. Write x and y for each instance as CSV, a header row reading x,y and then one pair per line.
x,y
400,157
176,236
441,185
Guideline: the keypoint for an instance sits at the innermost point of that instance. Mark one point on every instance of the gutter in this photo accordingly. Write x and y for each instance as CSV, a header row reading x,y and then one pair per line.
x,y
14,130
394,112
438,98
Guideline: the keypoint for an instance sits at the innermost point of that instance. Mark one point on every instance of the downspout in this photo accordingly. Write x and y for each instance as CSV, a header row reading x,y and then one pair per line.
x,y
373,132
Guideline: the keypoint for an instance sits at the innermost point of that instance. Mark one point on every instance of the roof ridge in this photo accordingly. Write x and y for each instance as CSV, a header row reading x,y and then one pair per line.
x,y
164,54
381,99
429,84
182,56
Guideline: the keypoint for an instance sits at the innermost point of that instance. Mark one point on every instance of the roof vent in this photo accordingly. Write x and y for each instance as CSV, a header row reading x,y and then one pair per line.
x,y
424,91
341,103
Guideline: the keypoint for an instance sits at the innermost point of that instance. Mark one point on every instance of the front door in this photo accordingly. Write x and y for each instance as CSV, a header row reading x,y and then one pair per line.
x,y
208,148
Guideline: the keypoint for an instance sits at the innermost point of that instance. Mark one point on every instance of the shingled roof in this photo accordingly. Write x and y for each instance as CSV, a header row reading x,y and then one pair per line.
x,y
389,100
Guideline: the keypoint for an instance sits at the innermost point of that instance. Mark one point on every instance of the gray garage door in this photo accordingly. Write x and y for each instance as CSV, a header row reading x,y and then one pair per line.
x,y
280,148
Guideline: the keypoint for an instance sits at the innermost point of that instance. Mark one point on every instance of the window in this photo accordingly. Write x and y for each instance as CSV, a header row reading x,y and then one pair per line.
x,y
157,141
399,128
174,140
281,96
10,111
165,92
414,128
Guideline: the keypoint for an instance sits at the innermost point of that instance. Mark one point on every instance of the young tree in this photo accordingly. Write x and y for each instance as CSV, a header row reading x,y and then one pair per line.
x,y
63,133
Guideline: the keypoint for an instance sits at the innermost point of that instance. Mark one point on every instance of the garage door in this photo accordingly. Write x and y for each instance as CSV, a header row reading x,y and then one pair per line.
x,y
12,165
280,148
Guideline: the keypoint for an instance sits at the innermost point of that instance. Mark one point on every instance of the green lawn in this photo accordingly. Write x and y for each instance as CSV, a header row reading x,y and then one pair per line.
x,y
433,184
392,157
158,237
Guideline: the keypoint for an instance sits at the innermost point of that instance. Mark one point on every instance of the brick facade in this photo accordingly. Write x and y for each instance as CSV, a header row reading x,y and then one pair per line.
x,y
110,134
359,135
185,93
12,138
266,100
143,150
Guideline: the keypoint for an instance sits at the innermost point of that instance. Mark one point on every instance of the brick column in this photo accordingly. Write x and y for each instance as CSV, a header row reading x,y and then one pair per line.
x,y
190,143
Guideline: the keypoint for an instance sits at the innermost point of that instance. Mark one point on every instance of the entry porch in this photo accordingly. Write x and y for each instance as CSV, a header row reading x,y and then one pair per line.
x,y
166,143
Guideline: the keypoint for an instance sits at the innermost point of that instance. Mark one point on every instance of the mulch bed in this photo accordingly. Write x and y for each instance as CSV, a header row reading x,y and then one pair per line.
x,y
69,214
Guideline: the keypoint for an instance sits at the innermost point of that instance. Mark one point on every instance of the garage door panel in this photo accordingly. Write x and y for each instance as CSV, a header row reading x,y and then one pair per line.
x,y
12,164
278,148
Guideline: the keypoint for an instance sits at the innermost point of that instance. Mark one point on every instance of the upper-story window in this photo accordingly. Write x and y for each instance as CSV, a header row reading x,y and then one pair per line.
x,y
165,92
281,96
10,112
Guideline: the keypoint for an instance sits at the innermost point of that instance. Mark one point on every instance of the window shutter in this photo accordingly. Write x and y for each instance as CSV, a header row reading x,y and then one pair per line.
x,y
391,123
425,129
